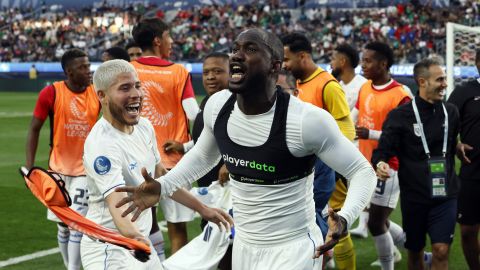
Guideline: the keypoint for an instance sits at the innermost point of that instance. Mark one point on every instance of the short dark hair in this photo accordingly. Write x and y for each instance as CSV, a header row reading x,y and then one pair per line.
x,y
291,81
350,52
297,42
275,44
118,53
421,68
131,44
221,55
147,30
382,51
70,55
477,56
269,40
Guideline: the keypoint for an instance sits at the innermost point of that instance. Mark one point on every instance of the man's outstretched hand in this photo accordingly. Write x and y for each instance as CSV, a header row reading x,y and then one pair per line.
x,y
337,228
142,197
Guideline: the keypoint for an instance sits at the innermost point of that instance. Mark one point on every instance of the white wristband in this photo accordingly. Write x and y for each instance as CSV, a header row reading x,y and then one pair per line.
x,y
374,134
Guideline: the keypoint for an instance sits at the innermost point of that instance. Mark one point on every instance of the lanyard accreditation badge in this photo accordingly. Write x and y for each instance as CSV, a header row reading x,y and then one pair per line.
x,y
437,165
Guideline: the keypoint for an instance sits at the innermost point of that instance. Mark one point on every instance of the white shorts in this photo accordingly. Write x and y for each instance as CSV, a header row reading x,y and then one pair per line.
x,y
176,212
77,189
295,254
387,192
96,255
204,252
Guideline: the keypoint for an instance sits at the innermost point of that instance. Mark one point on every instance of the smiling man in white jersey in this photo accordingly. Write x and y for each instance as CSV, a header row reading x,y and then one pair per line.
x,y
269,142
119,150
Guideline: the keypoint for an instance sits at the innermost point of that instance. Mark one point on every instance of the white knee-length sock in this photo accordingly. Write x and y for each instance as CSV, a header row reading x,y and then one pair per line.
x,y
74,260
157,242
62,236
384,245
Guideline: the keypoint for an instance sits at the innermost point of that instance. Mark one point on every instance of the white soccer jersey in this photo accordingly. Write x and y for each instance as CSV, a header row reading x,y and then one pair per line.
x,y
352,88
112,159
278,213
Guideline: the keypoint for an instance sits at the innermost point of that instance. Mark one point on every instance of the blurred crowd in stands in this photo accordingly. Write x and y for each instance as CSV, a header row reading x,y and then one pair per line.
x,y
413,30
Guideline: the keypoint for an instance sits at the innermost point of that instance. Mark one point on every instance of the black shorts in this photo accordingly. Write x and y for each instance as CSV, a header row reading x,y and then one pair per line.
x,y
437,220
468,201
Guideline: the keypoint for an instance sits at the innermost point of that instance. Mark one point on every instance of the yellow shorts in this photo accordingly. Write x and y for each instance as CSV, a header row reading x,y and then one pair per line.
x,y
338,196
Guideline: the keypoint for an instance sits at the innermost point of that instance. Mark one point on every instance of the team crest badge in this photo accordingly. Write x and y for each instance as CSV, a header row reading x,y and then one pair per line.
x,y
416,130
102,165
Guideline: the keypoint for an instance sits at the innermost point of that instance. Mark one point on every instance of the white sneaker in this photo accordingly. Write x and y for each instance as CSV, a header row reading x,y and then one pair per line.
x,y
376,263
397,256
359,232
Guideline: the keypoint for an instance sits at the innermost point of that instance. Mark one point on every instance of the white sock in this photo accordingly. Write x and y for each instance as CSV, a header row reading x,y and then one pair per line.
x,y
362,220
62,236
74,260
398,235
157,242
384,245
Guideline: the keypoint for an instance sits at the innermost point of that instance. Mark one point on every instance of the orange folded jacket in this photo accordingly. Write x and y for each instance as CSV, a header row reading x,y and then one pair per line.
x,y
50,190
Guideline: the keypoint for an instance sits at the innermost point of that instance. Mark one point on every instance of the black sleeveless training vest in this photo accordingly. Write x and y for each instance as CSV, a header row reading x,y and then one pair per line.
x,y
268,164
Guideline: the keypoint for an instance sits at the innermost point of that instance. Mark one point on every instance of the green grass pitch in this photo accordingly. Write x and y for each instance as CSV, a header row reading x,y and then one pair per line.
x,y
24,228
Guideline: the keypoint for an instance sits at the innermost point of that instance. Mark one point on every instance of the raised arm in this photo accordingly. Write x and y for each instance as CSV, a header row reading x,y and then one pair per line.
x,y
195,164
199,160
148,194
322,136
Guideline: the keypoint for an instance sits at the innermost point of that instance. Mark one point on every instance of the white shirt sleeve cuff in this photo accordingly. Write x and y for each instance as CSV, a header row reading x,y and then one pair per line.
x,y
374,134
187,146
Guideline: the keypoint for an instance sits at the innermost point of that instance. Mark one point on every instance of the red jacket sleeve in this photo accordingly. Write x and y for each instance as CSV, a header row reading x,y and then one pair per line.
x,y
188,89
45,102
404,101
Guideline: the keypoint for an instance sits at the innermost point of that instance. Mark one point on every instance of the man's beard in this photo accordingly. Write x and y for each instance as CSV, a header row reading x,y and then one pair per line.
x,y
336,73
118,114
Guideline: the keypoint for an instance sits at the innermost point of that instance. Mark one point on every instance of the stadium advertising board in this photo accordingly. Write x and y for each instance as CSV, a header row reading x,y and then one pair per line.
x,y
196,68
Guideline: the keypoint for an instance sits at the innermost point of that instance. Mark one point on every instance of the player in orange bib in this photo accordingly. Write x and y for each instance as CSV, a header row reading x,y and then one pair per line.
x,y
377,97
169,104
73,108
320,88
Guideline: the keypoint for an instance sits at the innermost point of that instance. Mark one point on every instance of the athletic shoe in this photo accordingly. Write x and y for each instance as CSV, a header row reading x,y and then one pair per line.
x,y
359,232
397,256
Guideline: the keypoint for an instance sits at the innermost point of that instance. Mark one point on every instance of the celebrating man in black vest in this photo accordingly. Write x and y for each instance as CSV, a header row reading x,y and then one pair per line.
x,y
269,142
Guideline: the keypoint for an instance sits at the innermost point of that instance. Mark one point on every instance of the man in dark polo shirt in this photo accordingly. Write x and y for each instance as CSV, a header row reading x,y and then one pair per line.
x,y
467,99
422,134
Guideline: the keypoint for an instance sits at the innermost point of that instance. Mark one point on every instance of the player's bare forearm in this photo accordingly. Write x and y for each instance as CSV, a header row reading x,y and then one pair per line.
x,y
124,224
171,146
211,214
337,229
141,197
31,149
32,142
159,170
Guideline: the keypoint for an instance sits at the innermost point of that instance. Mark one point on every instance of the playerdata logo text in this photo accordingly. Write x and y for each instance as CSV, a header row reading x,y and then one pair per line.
x,y
249,164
